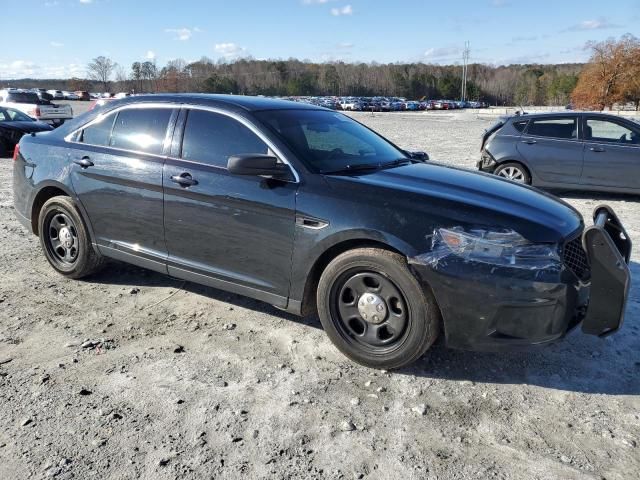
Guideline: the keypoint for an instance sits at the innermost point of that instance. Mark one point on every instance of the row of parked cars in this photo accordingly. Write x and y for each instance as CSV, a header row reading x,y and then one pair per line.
x,y
78,95
386,104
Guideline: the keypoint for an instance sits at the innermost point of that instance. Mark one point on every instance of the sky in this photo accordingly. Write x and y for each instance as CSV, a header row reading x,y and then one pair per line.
x,y
58,38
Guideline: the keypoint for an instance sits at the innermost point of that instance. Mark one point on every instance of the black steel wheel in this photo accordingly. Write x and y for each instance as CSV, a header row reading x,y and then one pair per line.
x,y
375,310
65,239
370,309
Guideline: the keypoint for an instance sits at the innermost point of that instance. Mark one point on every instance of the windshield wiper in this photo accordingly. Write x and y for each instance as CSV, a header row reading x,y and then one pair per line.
x,y
367,166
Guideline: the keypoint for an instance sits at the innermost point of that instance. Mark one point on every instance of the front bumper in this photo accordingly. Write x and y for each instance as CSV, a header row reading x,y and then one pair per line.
x,y
487,307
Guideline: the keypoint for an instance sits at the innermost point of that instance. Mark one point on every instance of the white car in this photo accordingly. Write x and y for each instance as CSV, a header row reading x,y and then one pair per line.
x,y
56,94
29,103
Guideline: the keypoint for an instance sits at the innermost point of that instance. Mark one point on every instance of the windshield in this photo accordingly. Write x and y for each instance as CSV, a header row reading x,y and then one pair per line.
x,y
329,141
11,115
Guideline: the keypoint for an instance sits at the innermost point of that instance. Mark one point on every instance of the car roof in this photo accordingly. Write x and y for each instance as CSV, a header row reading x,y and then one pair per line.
x,y
566,113
244,102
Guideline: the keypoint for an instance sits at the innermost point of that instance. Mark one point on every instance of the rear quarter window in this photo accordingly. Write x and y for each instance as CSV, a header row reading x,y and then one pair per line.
x,y
520,125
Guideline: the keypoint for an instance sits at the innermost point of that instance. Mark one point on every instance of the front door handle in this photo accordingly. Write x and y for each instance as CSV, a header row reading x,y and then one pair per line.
x,y
529,142
84,162
184,180
597,149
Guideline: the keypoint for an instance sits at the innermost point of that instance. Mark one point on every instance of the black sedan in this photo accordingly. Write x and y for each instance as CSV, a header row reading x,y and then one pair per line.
x,y
13,125
309,210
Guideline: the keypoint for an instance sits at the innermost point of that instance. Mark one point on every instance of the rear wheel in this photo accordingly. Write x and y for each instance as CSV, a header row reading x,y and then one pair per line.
x,y
65,239
374,309
513,171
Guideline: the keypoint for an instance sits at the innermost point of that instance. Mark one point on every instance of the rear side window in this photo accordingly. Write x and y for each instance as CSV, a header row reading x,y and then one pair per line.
x,y
98,133
141,129
557,127
212,138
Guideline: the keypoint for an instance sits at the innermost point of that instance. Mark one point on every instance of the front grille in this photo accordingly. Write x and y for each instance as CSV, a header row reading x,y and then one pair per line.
x,y
575,258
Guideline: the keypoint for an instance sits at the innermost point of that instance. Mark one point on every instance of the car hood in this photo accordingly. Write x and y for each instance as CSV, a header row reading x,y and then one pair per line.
x,y
26,127
455,196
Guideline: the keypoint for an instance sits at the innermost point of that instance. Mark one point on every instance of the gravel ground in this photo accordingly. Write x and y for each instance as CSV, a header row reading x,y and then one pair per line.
x,y
132,374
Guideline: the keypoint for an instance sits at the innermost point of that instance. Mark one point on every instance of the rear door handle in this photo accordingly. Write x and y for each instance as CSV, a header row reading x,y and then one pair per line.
x,y
529,142
597,149
184,179
84,162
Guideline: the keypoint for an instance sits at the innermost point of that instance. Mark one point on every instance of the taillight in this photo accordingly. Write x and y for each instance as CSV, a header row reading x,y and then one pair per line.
x,y
38,112
16,152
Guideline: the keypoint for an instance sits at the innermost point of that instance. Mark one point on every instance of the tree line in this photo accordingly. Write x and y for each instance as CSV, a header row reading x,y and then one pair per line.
x,y
503,85
612,76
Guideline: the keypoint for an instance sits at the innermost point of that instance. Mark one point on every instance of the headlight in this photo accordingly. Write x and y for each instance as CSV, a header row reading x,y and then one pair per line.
x,y
496,247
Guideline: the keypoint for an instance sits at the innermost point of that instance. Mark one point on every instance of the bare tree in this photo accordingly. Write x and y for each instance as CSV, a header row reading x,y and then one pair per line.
x,y
100,69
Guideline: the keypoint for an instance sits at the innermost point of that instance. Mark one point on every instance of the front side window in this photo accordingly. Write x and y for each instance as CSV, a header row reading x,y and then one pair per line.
x,y
599,130
212,138
564,128
141,129
329,141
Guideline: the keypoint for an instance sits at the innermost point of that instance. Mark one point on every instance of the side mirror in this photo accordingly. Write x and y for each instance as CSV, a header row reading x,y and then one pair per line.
x,y
420,156
257,164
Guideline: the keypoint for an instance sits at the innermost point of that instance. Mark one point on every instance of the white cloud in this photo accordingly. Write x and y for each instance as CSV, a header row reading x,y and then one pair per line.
x,y
86,1
339,11
151,55
182,34
600,23
229,50
440,53
56,44
345,45
316,2
28,69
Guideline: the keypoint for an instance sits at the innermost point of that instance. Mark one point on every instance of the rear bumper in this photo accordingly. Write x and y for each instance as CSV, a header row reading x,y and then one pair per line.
x,y
487,307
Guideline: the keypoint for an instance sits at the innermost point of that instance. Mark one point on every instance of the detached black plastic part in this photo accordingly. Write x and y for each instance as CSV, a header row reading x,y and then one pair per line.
x,y
608,247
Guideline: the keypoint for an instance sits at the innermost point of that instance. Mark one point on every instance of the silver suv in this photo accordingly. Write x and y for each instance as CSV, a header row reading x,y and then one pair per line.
x,y
578,150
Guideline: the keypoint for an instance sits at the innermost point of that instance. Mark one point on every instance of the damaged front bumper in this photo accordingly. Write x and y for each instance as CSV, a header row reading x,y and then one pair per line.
x,y
493,307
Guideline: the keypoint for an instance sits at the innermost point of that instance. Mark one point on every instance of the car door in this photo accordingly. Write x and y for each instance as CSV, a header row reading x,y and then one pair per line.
x,y
116,166
552,149
612,153
229,231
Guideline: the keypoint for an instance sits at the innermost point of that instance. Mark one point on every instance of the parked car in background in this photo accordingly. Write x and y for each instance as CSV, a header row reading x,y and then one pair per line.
x,y
71,96
42,94
84,96
30,104
13,125
309,210
56,94
577,150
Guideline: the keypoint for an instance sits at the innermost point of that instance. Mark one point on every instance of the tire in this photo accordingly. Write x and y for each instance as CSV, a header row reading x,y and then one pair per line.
x,y
514,171
65,240
353,286
5,148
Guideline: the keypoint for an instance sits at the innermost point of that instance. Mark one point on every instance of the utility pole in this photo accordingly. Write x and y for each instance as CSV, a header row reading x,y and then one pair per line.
x,y
465,63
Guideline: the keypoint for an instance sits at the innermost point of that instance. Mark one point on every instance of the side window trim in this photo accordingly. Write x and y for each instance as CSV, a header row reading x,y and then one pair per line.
x,y
576,119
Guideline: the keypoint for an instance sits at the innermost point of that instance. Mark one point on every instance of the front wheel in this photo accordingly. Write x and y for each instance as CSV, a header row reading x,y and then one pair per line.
x,y
65,239
374,309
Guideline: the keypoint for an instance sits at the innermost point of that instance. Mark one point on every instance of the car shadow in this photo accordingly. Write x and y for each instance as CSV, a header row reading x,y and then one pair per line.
x,y
117,273
578,363
596,196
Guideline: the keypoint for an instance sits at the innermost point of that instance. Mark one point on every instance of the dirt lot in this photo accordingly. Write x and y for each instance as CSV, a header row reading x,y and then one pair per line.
x,y
135,375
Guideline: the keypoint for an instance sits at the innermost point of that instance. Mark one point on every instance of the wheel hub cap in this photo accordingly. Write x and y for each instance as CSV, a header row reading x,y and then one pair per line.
x,y
372,308
66,237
